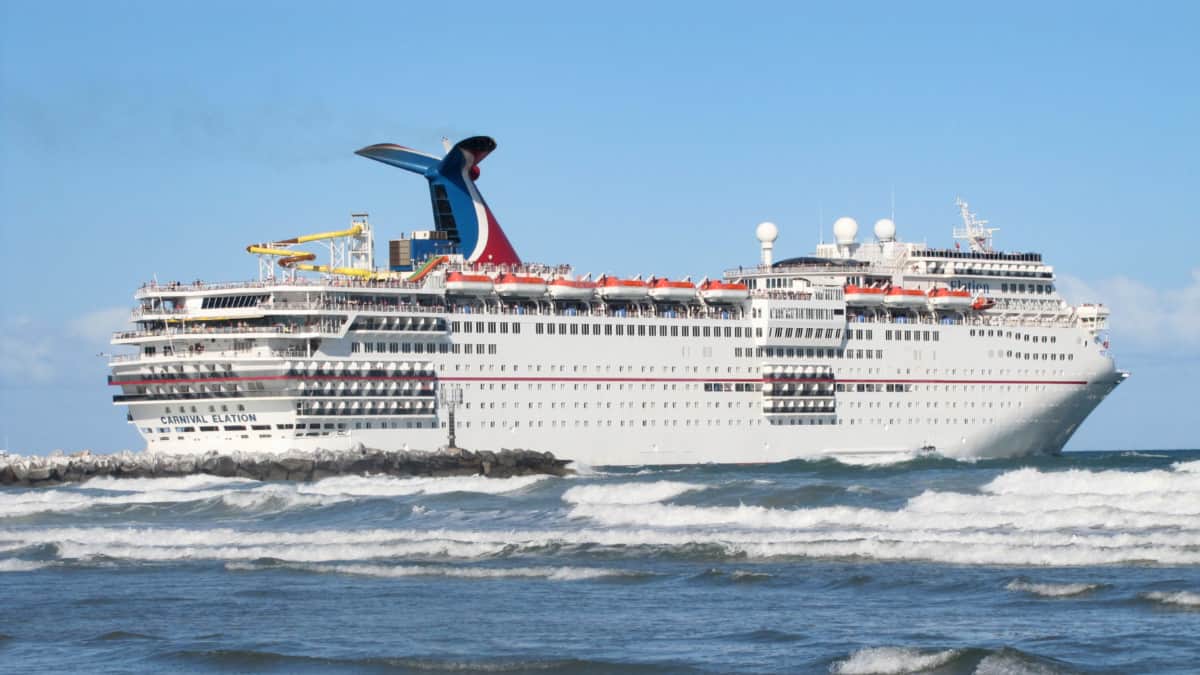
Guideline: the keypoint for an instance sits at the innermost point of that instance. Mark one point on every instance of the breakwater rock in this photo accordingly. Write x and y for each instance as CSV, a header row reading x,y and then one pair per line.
x,y
294,465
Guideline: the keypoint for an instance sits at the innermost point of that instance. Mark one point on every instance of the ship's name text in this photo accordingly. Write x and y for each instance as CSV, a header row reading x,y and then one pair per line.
x,y
208,419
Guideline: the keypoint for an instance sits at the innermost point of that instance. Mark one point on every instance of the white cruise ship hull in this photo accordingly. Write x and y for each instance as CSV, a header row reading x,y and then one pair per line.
x,y
604,399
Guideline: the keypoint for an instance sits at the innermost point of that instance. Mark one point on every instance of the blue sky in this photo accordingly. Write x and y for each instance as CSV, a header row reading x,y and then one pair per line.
x,y
141,139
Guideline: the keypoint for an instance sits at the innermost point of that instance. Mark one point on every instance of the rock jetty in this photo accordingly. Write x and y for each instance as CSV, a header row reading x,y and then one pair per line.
x,y
35,471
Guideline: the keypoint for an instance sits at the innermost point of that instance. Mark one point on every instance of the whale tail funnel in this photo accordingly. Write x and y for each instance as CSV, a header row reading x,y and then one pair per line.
x,y
458,208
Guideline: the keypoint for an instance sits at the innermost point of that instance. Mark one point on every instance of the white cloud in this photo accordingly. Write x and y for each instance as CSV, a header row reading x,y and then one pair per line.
x,y
1143,316
25,354
33,351
97,327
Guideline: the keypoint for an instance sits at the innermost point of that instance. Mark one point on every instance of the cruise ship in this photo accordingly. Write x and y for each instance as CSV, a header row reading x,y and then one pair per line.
x,y
871,345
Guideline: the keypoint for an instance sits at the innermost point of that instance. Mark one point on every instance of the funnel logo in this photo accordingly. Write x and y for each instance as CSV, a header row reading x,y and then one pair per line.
x,y
458,207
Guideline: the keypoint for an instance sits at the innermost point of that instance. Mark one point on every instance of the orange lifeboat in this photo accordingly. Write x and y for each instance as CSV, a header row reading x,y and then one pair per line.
x,y
514,286
904,297
944,298
571,289
462,283
612,288
863,296
720,292
665,290
983,303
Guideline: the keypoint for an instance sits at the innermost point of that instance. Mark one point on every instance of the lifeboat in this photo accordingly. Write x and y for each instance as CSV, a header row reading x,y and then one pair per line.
x,y
665,290
944,298
514,286
904,297
863,296
720,292
982,303
612,288
468,284
571,289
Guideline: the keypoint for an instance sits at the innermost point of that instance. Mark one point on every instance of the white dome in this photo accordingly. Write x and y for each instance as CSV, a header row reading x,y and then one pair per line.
x,y
766,232
885,229
845,229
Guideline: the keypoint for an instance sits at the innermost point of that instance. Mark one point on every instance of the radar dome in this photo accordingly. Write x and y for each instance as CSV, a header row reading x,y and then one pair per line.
x,y
766,232
885,229
845,229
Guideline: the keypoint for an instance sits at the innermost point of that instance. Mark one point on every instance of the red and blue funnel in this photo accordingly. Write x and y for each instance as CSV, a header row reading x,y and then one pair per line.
x,y
458,208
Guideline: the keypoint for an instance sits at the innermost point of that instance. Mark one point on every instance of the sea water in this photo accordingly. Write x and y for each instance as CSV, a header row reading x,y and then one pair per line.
x,y
1089,562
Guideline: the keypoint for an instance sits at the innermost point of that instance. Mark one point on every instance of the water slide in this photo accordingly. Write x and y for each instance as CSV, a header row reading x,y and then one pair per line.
x,y
428,267
290,258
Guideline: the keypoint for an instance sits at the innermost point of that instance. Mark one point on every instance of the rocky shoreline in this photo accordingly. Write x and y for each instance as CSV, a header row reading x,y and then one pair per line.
x,y
55,469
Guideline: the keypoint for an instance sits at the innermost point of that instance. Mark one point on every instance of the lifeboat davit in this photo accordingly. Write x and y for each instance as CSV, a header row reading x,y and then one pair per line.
x,y
612,288
665,290
468,284
571,289
863,296
944,298
514,286
904,297
721,292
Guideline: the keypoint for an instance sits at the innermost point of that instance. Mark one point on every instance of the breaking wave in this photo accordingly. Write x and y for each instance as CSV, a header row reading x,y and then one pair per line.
x,y
389,486
898,660
892,661
242,493
561,573
14,565
628,493
1185,599
1022,517
1051,590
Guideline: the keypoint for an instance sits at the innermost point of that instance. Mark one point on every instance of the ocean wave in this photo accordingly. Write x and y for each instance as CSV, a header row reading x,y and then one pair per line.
x,y
979,661
273,497
240,660
892,661
1051,590
193,482
628,493
1036,483
698,543
1185,599
390,486
13,565
397,571
1187,467
243,494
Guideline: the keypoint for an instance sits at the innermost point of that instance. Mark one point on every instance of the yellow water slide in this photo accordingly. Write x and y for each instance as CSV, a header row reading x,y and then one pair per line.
x,y
289,258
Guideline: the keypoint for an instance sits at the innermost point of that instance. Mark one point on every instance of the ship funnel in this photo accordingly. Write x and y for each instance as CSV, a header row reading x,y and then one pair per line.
x,y
459,210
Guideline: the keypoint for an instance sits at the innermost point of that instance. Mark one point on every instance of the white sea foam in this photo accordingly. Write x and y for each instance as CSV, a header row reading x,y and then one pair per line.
x,y
1032,482
21,565
395,571
192,482
1187,467
389,486
1051,590
628,493
872,459
275,497
237,492
1178,598
1010,662
892,661
1066,518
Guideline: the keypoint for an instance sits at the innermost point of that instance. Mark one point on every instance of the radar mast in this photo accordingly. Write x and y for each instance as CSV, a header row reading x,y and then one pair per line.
x,y
974,230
